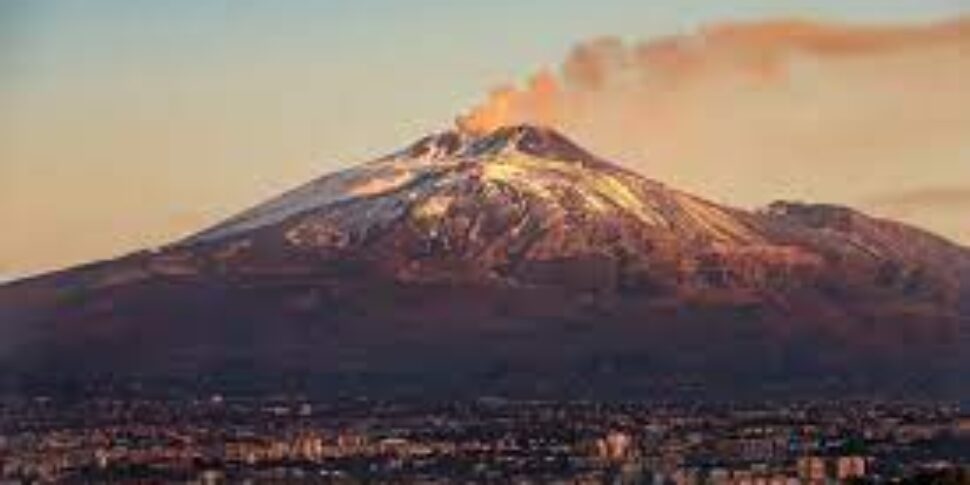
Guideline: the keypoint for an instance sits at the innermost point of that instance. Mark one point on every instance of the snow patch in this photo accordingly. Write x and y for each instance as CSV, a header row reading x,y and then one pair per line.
x,y
379,185
434,206
714,221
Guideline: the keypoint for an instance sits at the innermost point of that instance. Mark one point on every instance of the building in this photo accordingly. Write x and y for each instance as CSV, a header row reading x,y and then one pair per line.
x,y
847,467
811,469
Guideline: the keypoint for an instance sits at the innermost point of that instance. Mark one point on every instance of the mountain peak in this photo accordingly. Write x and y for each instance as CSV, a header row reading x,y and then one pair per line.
x,y
442,144
534,140
524,168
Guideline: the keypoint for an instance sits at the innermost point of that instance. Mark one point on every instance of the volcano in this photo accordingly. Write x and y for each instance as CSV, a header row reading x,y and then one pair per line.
x,y
510,263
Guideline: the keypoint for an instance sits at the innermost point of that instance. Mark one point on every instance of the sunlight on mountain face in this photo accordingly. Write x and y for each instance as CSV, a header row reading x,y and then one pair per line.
x,y
457,236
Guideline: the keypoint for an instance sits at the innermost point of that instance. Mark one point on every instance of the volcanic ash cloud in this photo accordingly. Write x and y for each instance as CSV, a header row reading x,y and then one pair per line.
x,y
751,112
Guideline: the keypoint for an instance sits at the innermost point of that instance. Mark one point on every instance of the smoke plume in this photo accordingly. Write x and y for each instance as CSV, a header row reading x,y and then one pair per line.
x,y
745,113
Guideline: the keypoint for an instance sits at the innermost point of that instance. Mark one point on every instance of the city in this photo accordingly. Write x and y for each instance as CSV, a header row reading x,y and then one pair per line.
x,y
219,438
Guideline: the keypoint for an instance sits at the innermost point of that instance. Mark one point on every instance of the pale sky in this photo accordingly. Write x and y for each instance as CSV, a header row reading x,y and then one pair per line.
x,y
130,123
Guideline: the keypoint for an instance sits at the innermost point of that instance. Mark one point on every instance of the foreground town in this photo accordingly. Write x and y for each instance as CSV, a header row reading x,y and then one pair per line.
x,y
294,439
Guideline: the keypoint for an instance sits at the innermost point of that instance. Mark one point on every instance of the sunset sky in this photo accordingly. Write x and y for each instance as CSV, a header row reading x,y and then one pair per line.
x,y
129,123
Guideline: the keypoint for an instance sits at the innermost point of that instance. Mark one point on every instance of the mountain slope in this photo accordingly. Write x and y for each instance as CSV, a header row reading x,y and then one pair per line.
x,y
513,262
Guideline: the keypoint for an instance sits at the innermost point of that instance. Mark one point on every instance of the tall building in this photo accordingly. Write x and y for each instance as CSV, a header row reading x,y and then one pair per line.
x,y
811,469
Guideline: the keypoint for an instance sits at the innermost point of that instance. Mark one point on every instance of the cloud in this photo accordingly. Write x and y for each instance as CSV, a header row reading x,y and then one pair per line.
x,y
946,198
745,113
754,51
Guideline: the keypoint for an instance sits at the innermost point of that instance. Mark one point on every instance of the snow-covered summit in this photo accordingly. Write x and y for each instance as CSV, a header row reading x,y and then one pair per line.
x,y
428,157
523,165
